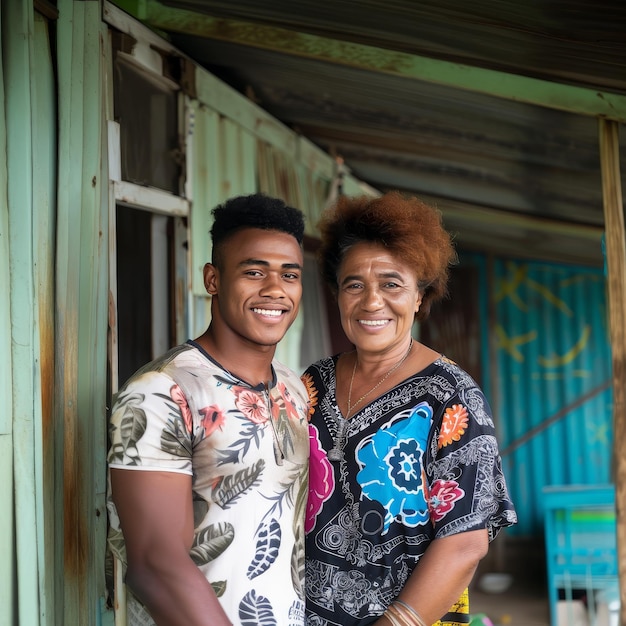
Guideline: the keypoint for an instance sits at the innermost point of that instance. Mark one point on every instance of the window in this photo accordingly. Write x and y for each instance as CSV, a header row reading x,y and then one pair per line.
x,y
145,107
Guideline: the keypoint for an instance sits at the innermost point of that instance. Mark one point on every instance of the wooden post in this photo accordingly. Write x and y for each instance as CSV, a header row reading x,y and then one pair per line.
x,y
616,264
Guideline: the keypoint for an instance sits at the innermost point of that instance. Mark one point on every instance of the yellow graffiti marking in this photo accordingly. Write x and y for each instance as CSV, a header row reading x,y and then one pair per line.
x,y
559,360
549,296
508,288
560,375
580,278
510,344
600,434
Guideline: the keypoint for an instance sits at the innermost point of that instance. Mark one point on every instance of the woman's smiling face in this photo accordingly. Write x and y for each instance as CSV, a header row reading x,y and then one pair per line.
x,y
377,296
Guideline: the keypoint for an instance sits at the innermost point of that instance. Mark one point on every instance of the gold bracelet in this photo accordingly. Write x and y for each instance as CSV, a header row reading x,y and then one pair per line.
x,y
408,613
393,615
399,616
391,618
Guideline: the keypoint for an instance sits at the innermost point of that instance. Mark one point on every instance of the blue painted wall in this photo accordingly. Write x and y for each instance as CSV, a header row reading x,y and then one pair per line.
x,y
552,358
545,366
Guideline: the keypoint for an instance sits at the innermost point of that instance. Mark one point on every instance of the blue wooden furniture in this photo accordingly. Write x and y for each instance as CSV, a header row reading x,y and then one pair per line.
x,y
581,545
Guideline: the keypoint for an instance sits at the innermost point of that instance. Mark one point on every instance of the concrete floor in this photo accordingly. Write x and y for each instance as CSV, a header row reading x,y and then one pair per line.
x,y
525,602
521,605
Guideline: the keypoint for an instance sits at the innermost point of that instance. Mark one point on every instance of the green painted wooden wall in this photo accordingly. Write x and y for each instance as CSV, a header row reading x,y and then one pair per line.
x,y
81,310
53,318
7,538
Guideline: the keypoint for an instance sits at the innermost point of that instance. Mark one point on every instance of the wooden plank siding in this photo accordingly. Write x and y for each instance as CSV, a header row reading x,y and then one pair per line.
x,y
616,264
7,528
81,309
27,97
43,93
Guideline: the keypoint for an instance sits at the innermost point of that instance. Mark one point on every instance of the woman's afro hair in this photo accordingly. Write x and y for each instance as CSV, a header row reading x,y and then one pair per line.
x,y
410,229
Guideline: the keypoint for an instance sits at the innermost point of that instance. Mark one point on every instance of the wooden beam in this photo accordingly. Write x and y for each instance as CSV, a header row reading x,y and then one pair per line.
x,y
616,264
453,209
47,9
150,199
571,98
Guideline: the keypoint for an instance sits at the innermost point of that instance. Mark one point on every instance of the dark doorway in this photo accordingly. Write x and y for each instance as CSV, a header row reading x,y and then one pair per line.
x,y
144,276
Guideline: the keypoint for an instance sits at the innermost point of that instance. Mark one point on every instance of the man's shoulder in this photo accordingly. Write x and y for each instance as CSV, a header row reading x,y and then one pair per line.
x,y
170,365
283,372
289,378
167,359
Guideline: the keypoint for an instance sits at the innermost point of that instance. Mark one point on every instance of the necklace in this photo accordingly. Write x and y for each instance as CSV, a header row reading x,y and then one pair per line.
x,y
377,385
336,453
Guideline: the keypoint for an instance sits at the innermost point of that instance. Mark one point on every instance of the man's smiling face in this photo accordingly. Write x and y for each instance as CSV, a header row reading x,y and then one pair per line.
x,y
257,287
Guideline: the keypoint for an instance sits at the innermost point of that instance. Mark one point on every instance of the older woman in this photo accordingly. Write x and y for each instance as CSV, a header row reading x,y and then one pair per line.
x,y
406,485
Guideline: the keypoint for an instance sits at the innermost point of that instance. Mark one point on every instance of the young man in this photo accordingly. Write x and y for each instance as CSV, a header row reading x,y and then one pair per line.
x,y
209,444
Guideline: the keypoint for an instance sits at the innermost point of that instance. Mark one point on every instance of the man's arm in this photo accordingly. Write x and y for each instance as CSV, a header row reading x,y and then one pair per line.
x,y
156,516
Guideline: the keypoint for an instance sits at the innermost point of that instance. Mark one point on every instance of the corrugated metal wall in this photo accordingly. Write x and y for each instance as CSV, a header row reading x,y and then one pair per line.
x,y
553,396
236,148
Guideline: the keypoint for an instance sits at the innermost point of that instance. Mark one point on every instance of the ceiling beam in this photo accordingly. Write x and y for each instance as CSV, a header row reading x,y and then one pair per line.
x,y
453,209
570,98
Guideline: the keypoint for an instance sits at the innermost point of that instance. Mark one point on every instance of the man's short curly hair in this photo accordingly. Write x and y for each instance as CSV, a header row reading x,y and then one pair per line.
x,y
253,211
410,229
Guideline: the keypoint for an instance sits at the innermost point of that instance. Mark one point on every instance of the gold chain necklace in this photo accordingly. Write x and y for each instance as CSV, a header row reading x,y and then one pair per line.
x,y
335,454
377,385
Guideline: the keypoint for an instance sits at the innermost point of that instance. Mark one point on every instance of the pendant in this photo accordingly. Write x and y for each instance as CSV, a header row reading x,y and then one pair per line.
x,y
335,454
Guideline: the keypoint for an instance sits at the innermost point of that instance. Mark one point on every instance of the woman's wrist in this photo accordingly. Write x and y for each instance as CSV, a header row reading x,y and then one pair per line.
x,y
400,613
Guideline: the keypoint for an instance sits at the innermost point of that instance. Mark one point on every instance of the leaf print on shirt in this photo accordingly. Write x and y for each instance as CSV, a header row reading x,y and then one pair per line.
x,y
249,433
229,488
219,588
115,540
211,542
175,437
268,536
298,564
286,494
453,425
285,415
200,508
256,611
131,429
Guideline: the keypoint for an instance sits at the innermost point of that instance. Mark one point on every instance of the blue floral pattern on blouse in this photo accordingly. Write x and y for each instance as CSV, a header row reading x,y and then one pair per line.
x,y
390,464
